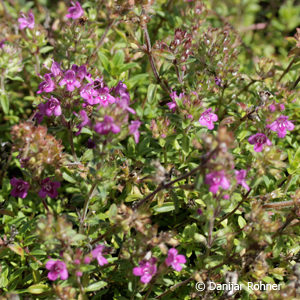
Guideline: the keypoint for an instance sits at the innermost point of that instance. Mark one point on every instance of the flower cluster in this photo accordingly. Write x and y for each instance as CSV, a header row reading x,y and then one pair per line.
x,y
147,267
47,187
110,105
58,268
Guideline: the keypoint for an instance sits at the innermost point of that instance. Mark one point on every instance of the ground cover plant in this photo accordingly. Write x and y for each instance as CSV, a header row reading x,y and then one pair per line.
x,y
149,149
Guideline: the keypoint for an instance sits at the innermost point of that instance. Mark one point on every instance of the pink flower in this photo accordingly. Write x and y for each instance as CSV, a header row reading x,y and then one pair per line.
x,y
104,98
272,107
87,259
172,105
97,253
52,107
20,189
259,140
134,130
281,125
175,260
218,81
85,121
217,179
107,126
81,72
47,85
26,22
124,99
55,69
57,269
281,107
49,188
207,118
240,177
89,94
147,269
70,80
75,11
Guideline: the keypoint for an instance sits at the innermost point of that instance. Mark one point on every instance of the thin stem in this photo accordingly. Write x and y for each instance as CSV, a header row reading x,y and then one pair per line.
x,y
162,186
287,69
151,59
101,41
296,83
86,203
70,134
281,204
236,208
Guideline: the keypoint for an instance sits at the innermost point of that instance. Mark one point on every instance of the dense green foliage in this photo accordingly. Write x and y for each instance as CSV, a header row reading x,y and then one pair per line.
x,y
134,177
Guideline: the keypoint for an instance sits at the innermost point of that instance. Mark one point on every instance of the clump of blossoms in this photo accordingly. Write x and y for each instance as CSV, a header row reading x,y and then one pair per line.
x,y
217,179
104,110
259,140
75,11
57,269
208,118
26,21
281,125
146,270
20,187
175,260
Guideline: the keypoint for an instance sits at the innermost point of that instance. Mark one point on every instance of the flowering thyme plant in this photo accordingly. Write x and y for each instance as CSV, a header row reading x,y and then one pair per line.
x,y
147,146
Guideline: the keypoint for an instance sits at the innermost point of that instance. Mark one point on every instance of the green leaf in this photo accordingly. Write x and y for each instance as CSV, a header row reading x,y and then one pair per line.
x,y
4,103
68,178
151,92
96,286
118,59
46,49
38,288
104,61
241,221
167,206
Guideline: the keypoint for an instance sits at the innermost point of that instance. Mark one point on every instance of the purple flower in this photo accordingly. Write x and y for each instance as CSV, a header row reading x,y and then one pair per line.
x,y
199,211
89,94
281,125
91,144
120,88
124,99
240,177
55,69
70,80
281,107
218,81
107,126
272,107
147,269
97,253
26,22
175,260
207,118
85,121
57,269
104,98
2,42
49,188
52,107
172,105
75,11
47,85
39,115
217,179
134,130
259,140
20,189
81,72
